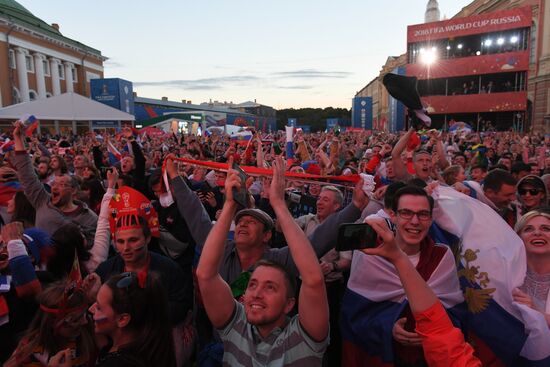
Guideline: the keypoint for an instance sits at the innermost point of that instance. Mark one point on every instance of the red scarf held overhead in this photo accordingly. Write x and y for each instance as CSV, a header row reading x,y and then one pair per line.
x,y
258,171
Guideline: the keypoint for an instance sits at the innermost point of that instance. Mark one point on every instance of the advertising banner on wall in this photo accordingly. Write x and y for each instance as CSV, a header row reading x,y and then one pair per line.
x,y
292,121
476,24
396,109
115,92
331,123
473,65
361,112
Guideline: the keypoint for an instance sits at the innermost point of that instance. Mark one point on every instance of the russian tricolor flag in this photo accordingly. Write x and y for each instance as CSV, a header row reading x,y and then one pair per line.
x,y
492,262
7,145
289,142
32,124
114,154
375,300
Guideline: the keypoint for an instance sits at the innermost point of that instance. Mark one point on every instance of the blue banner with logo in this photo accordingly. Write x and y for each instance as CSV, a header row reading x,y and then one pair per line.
x,y
114,92
361,112
292,121
396,110
331,123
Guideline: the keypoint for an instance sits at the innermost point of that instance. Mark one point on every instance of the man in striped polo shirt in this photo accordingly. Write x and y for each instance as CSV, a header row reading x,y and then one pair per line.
x,y
259,333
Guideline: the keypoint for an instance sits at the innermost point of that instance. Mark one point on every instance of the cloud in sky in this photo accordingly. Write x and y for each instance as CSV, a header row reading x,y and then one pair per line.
x,y
204,83
245,80
295,87
312,74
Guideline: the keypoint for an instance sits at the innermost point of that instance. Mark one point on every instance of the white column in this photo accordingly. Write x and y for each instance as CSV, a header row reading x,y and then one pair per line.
x,y
21,61
54,70
544,30
69,76
39,74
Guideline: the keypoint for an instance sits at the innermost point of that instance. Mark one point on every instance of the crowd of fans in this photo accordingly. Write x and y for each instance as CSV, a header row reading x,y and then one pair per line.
x,y
220,284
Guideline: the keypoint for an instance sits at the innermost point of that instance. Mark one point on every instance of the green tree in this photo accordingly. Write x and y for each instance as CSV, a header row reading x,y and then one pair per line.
x,y
314,117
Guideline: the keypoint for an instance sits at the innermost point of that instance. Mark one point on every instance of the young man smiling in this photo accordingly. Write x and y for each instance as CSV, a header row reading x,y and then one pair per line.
x,y
375,297
132,237
259,332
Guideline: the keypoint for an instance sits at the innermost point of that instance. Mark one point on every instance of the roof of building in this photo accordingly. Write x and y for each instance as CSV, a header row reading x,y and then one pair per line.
x,y
187,106
248,104
172,116
65,107
18,14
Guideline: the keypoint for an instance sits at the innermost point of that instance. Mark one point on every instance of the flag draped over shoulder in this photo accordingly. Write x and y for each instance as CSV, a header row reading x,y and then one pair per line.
x,y
492,264
375,299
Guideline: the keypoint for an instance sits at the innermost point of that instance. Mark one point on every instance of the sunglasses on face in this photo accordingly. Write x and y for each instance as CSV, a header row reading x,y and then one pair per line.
x,y
532,192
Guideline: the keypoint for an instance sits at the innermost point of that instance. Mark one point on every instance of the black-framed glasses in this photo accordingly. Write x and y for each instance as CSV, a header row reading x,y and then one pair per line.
x,y
407,214
532,192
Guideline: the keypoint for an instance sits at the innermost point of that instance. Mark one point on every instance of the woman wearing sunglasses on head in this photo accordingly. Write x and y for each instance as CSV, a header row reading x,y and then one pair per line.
x,y
131,312
61,324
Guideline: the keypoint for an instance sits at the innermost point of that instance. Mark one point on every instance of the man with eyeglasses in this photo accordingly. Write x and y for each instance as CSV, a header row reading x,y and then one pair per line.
x,y
55,209
374,308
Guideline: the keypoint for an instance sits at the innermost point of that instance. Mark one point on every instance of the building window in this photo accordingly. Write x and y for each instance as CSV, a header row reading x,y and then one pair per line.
x,y
61,70
46,67
533,54
33,95
15,96
29,63
75,75
12,59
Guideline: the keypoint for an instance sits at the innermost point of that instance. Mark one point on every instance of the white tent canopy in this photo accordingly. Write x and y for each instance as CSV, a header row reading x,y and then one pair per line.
x,y
65,107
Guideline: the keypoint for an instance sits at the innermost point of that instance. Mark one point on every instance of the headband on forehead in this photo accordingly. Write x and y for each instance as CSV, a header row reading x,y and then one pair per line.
x,y
61,309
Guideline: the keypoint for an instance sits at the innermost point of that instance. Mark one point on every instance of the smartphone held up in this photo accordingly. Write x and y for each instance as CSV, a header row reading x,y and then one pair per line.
x,y
356,236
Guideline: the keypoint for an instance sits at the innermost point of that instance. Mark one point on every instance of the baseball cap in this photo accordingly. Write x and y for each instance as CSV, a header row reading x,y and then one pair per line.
x,y
260,215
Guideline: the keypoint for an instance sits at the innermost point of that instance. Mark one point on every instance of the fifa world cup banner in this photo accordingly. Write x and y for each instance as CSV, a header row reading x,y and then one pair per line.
x,y
361,113
476,24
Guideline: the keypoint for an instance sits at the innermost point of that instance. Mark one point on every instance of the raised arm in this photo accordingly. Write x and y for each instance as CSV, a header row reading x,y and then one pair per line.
x,y
443,344
259,152
399,167
100,250
22,271
324,237
216,293
440,149
189,205
33,188
313,305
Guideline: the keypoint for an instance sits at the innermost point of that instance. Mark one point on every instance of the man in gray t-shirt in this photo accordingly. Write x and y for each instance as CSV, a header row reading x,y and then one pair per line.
x,y
259,333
